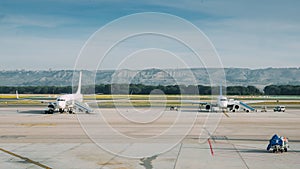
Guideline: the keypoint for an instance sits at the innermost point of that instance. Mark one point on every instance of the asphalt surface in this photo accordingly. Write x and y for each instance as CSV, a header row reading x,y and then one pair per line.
x,y
145,138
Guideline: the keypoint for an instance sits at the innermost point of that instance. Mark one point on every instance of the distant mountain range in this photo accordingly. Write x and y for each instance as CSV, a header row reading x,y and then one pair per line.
x,y
234,76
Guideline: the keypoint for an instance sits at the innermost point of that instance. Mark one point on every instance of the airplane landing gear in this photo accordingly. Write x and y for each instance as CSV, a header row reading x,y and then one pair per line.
x,y
71,111
61,110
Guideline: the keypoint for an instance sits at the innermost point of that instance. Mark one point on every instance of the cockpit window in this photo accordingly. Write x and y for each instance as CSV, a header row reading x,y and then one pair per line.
x,y
60,99
223,100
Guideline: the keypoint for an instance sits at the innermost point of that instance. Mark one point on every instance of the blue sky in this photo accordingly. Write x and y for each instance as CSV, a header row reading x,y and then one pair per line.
x,y
47,34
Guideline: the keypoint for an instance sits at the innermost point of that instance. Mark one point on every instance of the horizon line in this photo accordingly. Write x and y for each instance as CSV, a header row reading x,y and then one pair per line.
x,y
58,69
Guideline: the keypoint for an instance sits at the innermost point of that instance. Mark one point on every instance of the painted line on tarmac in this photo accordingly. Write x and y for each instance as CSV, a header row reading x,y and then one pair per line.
x,y
26,159
176,160
238,152
225,113
210,146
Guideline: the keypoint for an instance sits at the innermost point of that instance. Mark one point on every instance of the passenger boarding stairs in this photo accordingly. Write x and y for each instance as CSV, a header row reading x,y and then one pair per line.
x,y
83,107
246,106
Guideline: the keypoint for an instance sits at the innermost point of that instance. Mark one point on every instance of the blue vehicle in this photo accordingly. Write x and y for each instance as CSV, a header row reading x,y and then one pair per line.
x,y
278,144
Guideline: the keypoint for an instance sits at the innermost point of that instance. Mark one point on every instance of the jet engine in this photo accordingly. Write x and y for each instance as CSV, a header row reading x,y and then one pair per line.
x,y
51,108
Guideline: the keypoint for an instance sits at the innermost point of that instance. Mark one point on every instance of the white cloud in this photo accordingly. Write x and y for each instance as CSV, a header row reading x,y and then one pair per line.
x,y
34,20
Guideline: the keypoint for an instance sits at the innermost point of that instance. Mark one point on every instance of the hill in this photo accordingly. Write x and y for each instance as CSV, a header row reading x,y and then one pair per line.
x,y
234,76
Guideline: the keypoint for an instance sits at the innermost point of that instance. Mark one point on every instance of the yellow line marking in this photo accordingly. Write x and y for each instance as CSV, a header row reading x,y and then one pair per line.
x,y
36,124
224,112
26,159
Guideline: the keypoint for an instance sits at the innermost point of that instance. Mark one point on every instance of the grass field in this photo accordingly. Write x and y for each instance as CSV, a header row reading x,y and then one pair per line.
x,y
143,100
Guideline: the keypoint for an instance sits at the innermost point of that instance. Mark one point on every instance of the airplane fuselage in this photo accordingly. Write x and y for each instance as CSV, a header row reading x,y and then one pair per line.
x,y
222,102
65,101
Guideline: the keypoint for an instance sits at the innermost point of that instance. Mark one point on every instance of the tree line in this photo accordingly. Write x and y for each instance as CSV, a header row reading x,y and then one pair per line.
x,y
147,89
282,90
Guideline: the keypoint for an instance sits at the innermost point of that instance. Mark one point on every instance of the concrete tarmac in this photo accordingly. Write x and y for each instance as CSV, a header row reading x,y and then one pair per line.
x,y
142,139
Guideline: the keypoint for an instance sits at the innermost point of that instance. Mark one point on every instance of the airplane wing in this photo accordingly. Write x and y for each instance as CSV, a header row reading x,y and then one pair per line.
x,y
253,101
213,104
195,102
17,98
48,100
85,106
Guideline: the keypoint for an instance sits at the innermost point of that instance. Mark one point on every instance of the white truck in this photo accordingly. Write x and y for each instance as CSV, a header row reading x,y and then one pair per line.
x,y
279,109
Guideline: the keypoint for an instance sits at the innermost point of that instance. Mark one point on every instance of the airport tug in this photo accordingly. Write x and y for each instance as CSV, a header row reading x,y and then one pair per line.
x,y
278,144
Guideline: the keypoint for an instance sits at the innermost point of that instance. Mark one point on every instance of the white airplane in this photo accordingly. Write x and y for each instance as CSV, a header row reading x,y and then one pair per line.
x,y
69,102
220,105
65,103
224,104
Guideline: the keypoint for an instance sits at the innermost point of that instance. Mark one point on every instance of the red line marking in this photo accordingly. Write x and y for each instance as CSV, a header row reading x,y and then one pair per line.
x,y
210,146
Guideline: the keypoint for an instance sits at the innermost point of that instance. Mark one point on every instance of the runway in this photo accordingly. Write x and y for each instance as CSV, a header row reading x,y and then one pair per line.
x,y
30,139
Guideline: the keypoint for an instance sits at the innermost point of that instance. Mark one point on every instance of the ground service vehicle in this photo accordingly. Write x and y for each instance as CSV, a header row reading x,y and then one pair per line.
x,y
278,144
279,109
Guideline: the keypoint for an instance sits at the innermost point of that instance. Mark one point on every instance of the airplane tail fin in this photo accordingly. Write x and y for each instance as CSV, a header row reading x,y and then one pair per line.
x,y
221,90
17,94
79,84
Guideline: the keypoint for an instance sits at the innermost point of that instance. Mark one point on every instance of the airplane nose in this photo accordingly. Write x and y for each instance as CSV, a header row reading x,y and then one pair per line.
x,y
224,104
61,105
